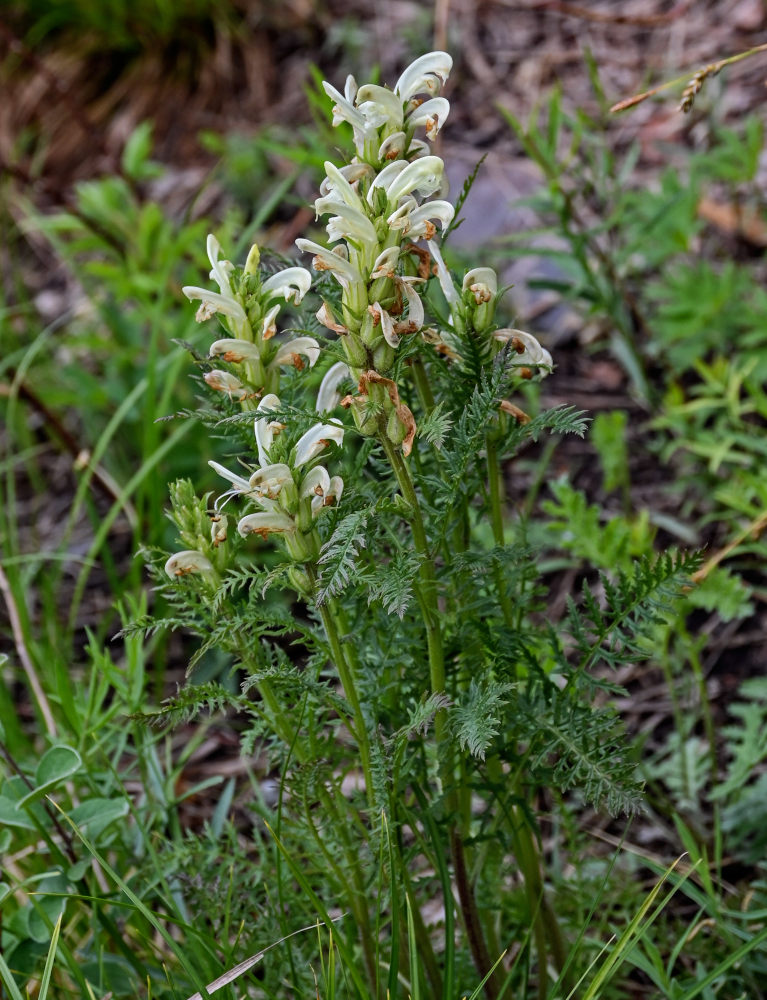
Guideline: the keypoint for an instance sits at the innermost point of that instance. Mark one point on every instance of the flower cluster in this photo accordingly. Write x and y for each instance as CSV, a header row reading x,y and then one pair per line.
x,y
287,493
378,207
248,306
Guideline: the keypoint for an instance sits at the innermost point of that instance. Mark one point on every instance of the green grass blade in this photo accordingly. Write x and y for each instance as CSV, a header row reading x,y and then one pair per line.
x,y
46,977
633,933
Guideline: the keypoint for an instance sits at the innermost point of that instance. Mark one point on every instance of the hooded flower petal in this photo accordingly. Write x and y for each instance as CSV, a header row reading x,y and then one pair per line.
x,y
220,269
482,282
269,323
291,352
417,149
325,316
385,263
267,482
343,109
264,429
386,177
432,114
425,75
417,222
337,185
235,350
387,323
239,482
393,146
379,103
332,495
214,302
227,383
351,173
527,349
415,314
424,176
314,441
315,483
292,284
240,485
330,260
445,281
188,561
328,396
266,523
348,224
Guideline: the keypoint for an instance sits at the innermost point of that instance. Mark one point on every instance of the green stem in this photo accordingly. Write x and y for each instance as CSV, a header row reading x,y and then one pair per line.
x,y
496,518
422,384
546,931
426,594
427,598
329,615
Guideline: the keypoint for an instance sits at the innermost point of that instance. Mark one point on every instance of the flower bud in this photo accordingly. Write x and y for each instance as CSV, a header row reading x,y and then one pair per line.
x,y
254,259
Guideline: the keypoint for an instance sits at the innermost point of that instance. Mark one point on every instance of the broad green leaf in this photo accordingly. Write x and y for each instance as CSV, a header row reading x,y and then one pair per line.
x,y
56,765
95,815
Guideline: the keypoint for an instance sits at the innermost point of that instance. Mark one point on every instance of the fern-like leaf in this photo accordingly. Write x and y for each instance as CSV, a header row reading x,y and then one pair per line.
x,y
616,629
477,718
392,584
579,745
338,555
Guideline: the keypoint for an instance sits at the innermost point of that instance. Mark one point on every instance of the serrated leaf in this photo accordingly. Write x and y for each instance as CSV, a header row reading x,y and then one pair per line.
x,y
476,719
338,555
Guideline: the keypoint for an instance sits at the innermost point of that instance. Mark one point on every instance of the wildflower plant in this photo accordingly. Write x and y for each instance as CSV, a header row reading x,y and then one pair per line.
x,y
384,613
